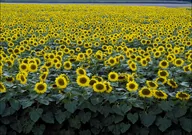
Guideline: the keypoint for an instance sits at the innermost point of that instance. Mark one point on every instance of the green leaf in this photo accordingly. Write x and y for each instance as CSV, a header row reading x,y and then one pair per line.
x,y
26,103
166,105
8,111
17,126
132,117
125,108
85,117
3,130
108,120
179,111
48,117
124,127
75,123
5,120
35,114
163,123
38,130
112,98
143,131
116,109
105,110
147,119
71,106
118,118
96,100
2,107
43,101
60,116
15,104
186,124
186,84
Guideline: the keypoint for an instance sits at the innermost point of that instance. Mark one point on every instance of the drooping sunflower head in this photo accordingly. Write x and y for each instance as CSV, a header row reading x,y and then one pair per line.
x,y
172,83
83,80
152,84
182,95
159,94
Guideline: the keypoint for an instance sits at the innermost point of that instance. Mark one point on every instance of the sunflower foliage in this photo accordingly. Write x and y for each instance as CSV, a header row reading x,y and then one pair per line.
x,y
88,69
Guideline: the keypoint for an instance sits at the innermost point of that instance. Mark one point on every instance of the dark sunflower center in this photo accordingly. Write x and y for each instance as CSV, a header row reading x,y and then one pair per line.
x,y
178,62
172,83
132,86
1,87
83,80
92,82
159,94
9,79
22,78
163,73
164,63
40,87
61,82
23,67
152,84
99,86
81,72
33,67
146,92
113,76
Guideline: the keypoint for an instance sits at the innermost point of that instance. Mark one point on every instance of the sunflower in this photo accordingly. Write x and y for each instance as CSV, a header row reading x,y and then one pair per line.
x,y
157,54
159,94
178,62
48,64
122,77
164,64
44,69
23,67
182,95
67,65
43,76
163,73
108,87
133,66
10,79
83,80
144,62
99,87
132,86
130,78
40,87
80,71
61,82
145,92
113,76
186,68
22,78
172,83
33,67
112,61
152,84
58,65
2,88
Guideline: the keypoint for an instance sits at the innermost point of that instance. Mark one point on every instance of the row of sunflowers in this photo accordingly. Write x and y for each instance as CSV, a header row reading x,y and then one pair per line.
x,y
48,49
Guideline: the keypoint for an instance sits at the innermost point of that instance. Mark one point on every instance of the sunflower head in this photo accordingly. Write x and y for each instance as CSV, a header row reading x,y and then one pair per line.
x,y
99,87
83,80
145,92
163,64
113,76
67,65
132,86
80,71
2,88
152,84
182,95
40,87
159,94
61,82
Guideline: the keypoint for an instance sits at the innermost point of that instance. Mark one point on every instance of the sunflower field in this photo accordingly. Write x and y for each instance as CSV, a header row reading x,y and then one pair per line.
x,y
72,69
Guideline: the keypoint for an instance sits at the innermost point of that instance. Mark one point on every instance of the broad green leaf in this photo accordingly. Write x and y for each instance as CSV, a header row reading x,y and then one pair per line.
x,y
26,103
163,123
28,126
105,110
4,120
85,117
15,104
71,106
35,114
179,111
124,127
116,109
186,124
166,105
8,111
3,130
118,118
132,117
125,108
85,132
43,101
48,117
96,100
143,131
75,122
112,98
17,126
2,107
60,116
147,119
108,120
